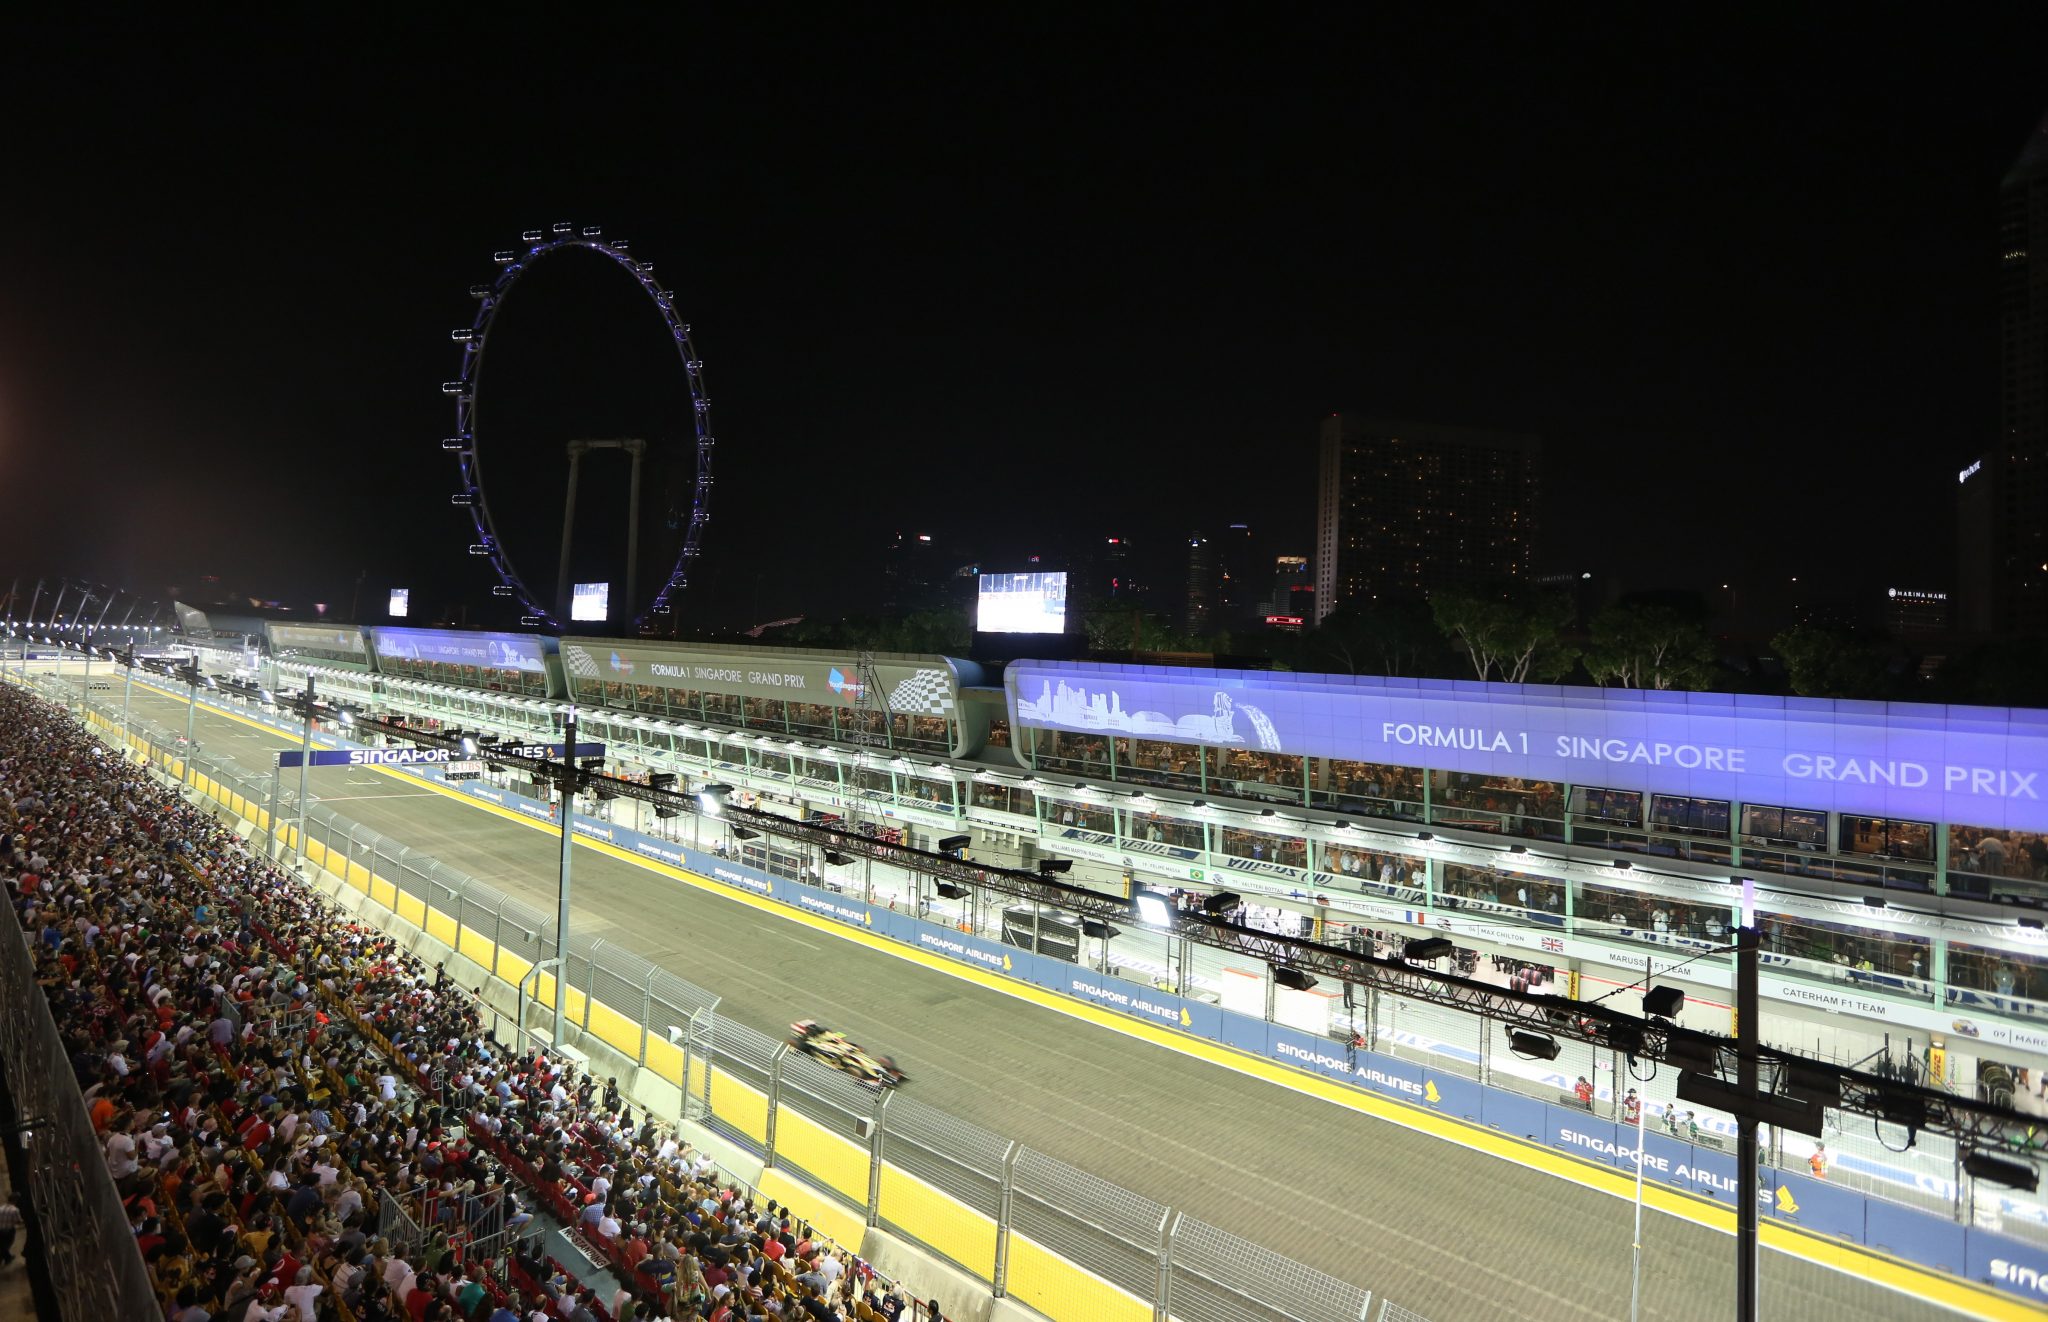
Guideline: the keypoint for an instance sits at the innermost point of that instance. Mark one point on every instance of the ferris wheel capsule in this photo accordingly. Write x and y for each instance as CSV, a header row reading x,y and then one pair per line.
x,y
563,227
533,236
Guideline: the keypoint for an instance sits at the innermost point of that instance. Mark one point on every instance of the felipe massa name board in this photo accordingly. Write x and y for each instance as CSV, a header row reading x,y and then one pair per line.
x,y
490,651
1980,766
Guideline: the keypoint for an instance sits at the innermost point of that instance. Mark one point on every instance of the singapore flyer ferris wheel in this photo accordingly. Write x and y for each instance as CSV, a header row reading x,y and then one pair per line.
x,y
467,443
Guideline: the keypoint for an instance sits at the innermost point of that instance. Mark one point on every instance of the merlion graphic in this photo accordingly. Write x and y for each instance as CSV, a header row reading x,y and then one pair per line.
x,y
1074,708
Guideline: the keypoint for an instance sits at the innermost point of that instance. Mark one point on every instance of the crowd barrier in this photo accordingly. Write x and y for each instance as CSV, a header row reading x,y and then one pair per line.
x,y
1046,1235
741,1098
68,1200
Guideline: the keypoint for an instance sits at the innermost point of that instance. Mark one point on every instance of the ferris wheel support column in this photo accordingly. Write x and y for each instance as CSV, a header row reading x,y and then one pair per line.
x,y
576,449
638,450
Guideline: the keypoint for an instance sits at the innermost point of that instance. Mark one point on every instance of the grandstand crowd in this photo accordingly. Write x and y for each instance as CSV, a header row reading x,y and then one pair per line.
x,y
307,1124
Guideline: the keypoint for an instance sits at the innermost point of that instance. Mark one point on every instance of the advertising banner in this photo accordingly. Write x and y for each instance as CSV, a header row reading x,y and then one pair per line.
x,y
924,686
488,651
314,638
1982,766
417,757
2007,1263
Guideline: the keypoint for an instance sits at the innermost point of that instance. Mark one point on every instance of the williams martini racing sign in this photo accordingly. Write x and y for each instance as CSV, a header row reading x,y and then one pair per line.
x,y
419,757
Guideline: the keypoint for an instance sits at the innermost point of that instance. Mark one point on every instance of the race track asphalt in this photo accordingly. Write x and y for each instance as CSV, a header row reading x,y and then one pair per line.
x,y
1444,1231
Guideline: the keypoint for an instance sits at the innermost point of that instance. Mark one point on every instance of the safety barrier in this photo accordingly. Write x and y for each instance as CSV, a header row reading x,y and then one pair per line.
x,y
68,1201
829,1146
795,1129
1928,1177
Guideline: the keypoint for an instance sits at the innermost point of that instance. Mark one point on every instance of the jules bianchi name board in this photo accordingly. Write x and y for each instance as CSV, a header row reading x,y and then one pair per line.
x,y
1980,766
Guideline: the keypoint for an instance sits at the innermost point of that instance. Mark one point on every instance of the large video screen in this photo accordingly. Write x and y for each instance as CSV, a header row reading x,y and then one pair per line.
x,y
401,602
591,601
1023,603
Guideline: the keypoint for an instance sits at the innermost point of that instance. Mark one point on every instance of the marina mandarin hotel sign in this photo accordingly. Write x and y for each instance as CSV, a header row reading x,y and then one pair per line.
x,y
1978,766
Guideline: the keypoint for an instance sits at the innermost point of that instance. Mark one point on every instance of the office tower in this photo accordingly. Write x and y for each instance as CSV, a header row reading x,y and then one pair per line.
x,y
1200,614
1408,508
2002,502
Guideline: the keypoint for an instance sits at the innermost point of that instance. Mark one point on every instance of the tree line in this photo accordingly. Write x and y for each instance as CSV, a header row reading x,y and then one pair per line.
x,y
1521,635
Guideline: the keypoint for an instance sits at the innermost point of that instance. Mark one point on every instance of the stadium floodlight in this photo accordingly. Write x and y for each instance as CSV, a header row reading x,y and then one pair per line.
x,y
742,833
347,717
1293,979
1663,1002
2012,1174
837,859
1427,948
951,891
1048,867
711,799
1153,909
469,746
954,844
1532,1046
1222,902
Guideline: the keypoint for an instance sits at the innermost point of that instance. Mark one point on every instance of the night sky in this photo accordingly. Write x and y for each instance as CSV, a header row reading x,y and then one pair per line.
x,y
998,279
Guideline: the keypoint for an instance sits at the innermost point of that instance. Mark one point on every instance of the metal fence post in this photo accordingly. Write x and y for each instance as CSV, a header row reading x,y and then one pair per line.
x,y
1162,1303
497,934
877,1125
689,1043
1002,1267
774,1099
590,980
647,1017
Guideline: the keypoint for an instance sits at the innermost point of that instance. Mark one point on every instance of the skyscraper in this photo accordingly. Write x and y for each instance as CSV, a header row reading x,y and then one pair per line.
x,y
1406,508
2004,497
1199,615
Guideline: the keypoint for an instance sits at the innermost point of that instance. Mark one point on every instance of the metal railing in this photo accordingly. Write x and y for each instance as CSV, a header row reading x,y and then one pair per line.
x,y
1130,1241
68,1201
978,1168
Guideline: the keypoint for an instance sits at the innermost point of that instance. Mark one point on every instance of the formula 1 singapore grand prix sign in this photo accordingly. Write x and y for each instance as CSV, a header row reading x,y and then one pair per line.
x,y
1980,766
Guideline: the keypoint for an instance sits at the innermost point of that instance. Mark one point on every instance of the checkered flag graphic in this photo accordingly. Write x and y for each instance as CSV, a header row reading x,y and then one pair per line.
x,y
581,664
925,693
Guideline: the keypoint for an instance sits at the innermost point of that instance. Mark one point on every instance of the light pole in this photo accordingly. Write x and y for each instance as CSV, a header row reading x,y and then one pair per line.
x,y
127,692
1746,1182
191,701
305,758
568,810
1635,1280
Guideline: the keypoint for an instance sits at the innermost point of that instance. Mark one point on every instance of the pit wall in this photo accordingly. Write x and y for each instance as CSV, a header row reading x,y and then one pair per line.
x,y
1035,1276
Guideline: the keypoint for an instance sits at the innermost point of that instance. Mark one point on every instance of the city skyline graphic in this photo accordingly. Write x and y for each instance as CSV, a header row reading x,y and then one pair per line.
x,y
1074,708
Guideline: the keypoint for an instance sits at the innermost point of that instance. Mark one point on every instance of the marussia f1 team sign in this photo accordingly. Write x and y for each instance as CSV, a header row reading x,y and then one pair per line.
x,y
415,757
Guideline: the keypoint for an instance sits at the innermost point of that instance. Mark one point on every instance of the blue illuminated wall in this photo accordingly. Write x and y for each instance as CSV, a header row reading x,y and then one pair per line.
x,y
1984,766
